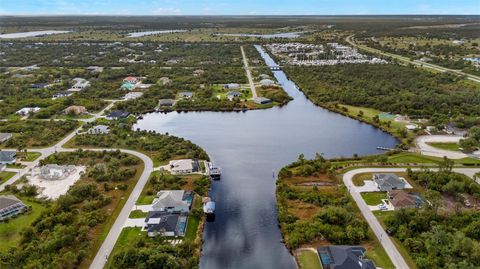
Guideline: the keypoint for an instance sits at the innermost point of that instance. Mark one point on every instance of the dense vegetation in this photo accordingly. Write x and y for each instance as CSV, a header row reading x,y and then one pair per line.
x,y
390,88
63,235
438,241
158,146
157,253
34,133
472,142
334,217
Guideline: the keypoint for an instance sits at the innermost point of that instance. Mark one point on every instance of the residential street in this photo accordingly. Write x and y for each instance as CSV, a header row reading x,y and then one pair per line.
x,y
107,246
395,256
249,74
426,149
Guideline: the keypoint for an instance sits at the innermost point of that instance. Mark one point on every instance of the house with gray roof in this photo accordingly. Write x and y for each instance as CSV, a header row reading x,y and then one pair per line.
x,y
165,223
262,100
233,94
99,129
388,182
10,206
173,201
186,95
8,157
344,257
5,136
166,102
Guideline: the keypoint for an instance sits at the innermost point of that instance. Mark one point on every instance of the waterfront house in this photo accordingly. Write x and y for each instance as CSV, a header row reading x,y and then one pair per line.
x,y
166,102
182,167
267,82
99,129
5,136
344,257
401,199
8,157
27,110
232,94
75,110
388,182
262,100
165,223
185,95
10,206
118,114
173,201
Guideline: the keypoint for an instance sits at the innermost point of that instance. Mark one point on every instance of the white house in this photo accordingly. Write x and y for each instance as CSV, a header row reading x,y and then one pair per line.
x,y
27,110
181,167
173,201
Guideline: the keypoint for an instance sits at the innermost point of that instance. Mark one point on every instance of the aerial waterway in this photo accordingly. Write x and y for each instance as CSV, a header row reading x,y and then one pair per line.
x,y
250,146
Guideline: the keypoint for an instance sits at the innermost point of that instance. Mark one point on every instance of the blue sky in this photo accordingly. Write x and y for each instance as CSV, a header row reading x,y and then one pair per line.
x,y
238,7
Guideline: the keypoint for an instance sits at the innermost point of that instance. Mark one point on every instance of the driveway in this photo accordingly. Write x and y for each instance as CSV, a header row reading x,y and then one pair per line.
x,y
138,222
426,149
368,187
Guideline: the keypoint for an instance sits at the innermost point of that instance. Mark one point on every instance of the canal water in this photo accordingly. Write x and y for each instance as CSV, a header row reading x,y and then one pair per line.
x,y
250,147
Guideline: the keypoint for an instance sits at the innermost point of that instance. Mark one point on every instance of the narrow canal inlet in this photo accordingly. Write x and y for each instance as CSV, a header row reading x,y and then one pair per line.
x,y
250,147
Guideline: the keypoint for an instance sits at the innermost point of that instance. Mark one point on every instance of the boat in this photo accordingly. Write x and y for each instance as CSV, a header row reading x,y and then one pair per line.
x,y
214,172
208,206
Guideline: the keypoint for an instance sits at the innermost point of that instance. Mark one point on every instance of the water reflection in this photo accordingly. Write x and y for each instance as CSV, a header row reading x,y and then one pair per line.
x,y
249,146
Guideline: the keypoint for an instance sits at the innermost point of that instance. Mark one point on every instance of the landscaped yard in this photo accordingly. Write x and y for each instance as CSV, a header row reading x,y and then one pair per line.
x,y
4,176
446,146
10,231
359,180
378,255
308,259
137,214
193,221
373,198
28,156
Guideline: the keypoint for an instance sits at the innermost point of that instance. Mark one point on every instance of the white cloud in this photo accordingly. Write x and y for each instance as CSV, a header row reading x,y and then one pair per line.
x,y
167,11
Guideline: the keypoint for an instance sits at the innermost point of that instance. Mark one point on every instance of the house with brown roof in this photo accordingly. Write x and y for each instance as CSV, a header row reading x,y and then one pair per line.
x,y
76,110
402,199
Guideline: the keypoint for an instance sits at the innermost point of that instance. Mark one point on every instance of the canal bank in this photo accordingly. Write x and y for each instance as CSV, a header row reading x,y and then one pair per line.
x,y
251,148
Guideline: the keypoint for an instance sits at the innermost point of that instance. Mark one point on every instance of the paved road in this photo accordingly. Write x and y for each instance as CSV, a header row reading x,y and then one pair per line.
x,y
45,152
397,259
249,74
102,255
426,149
351,40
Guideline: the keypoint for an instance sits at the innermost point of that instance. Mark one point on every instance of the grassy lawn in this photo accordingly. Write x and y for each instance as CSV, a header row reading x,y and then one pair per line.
x,y
125,240
359,180
308,259
4,176
145,199
28,156
10,231
373,198
15,166
137,214
445,146
407,157
379,256
193,222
